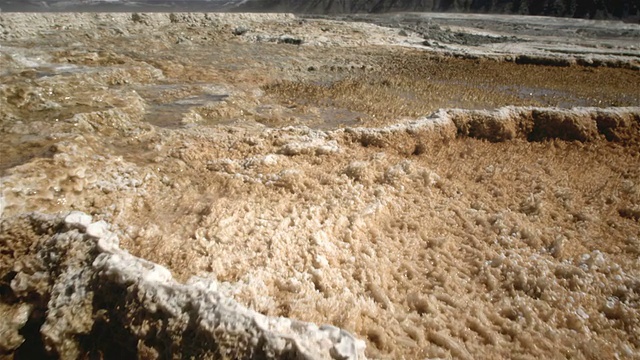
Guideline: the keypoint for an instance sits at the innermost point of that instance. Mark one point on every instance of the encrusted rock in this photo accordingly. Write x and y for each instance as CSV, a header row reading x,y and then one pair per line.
x,y
78,283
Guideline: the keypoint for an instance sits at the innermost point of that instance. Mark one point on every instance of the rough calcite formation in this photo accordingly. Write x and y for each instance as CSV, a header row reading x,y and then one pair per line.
x,y
76,281
311,183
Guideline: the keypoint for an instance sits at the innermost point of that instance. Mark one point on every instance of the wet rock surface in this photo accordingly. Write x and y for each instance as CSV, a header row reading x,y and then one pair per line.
x,y
213,194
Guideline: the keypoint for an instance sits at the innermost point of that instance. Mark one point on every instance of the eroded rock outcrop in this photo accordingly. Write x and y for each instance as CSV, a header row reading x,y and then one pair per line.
x,y
69,290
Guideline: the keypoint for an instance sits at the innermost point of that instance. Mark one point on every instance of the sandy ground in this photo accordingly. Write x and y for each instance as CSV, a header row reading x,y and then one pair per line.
x,y
306,163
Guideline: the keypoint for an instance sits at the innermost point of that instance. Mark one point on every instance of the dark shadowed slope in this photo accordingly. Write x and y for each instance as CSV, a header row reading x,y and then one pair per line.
x,y
593,9
569,8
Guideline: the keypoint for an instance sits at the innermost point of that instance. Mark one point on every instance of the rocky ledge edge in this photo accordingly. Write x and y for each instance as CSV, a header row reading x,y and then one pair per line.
x,y
69,291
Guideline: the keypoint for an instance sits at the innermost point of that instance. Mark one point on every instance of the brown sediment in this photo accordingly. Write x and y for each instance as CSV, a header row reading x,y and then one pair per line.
x,y
402,248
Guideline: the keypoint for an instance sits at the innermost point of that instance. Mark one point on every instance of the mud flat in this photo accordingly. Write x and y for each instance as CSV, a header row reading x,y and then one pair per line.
x,y
242,185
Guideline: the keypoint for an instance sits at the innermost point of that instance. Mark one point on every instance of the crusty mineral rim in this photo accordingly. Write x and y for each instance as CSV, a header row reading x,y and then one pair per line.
x,y
508,123
285,337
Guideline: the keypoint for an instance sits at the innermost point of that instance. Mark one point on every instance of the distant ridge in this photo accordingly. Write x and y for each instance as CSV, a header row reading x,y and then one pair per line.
x,y
591,9
120,5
